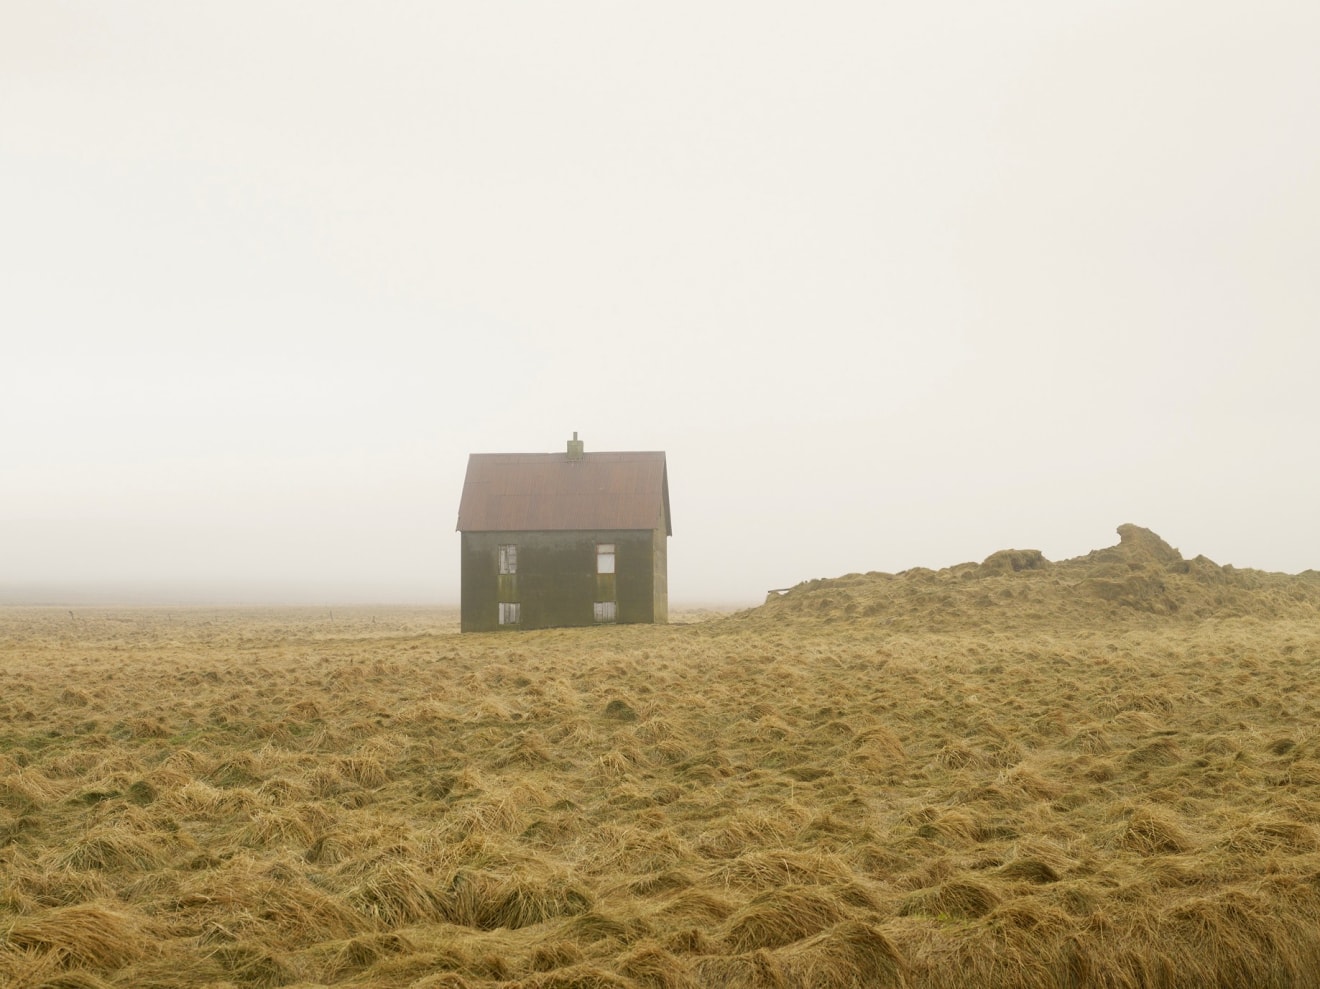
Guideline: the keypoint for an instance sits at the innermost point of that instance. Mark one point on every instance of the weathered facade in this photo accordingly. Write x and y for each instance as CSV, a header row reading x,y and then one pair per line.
x,y
562,539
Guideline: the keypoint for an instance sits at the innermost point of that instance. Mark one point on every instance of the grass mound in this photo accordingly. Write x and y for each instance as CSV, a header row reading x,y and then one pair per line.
x,y
1140,577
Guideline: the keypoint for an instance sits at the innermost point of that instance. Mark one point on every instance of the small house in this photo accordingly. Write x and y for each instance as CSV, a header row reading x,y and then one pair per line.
x,y
562,539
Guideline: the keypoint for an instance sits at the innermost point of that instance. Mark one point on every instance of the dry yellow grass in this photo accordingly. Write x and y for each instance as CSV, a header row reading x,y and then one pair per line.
x,y
1102,772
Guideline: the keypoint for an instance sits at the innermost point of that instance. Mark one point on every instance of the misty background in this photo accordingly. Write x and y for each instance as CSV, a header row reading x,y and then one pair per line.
x,y
891,284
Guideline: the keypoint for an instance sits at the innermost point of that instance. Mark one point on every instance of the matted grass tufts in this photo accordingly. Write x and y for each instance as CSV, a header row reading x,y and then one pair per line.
x,y
487,818
76,979
585,976
276,828
1235,939
50,885
593,926
1266,834
113,848
853,955
488,901
781,917
665,881
696,906
1151,831
745,830
761,969
620,710
1031,870
235,770
332,847
881,745
648,964
264,901
551,955
441,980
29,788
141,792
959,780
528,749
363,770
772,869
366,950
398,894
89,935
253,965
961,899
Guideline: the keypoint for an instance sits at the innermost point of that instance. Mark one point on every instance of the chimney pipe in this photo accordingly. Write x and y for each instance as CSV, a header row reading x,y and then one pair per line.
x,y
575,451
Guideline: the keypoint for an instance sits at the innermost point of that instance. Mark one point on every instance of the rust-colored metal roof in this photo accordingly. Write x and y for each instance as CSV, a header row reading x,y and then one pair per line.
x,y
521,492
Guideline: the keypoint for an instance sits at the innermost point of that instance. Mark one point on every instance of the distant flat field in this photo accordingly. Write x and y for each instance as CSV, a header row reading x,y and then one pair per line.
x,y
846,787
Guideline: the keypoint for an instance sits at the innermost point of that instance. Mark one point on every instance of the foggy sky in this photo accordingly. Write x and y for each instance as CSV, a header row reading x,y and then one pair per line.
x,y
891,284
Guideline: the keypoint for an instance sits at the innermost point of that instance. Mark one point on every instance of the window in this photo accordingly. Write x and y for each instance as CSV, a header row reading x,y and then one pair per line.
x,y
604,611
510,612
508,558
604,558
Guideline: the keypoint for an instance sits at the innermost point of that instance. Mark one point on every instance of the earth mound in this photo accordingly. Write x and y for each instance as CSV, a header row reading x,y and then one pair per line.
x,y
1141,578
1012,561
1138,545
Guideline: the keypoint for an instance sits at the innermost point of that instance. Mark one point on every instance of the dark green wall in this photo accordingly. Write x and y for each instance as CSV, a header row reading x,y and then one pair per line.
x,y
557,584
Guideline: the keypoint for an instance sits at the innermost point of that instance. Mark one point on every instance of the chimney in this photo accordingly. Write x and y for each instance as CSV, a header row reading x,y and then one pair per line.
x,y
575,448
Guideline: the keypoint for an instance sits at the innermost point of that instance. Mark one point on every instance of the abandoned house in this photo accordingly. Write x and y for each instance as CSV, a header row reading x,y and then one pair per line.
x,y
557,539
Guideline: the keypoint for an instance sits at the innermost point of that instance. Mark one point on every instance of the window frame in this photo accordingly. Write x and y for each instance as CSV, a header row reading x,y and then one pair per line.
x,y
604,552
507,558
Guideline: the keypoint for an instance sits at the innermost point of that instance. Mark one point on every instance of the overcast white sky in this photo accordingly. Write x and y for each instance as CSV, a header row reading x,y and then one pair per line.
x,y
893,284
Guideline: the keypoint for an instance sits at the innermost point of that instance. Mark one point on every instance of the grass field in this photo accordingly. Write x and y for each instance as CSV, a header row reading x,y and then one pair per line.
x,y
1099,772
